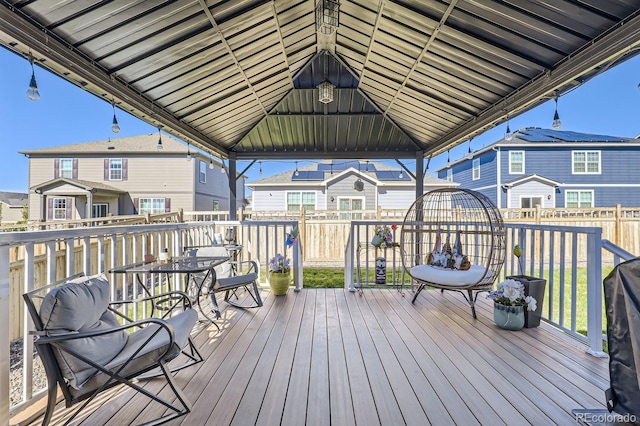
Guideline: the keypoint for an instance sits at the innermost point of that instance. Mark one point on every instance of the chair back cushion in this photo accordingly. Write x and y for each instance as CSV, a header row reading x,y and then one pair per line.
x,y
80,306
223,270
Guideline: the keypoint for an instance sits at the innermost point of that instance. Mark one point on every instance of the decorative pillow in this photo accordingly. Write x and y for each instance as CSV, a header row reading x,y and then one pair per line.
x,y
77,306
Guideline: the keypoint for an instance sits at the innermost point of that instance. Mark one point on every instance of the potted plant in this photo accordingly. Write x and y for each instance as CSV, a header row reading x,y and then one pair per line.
x,y
534,287
383,236
279,274
510,304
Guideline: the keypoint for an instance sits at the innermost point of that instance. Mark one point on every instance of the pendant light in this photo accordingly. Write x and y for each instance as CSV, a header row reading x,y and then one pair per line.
x,y
115,127
159,146
32,92
557,124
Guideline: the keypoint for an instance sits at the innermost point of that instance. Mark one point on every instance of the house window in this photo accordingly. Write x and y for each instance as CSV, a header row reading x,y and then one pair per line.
x,y
476,169
115,169
59,208
450,175
586,162
579,199
203,172
151,205
349,208
516,162
100,210
297,201
530,202
66,168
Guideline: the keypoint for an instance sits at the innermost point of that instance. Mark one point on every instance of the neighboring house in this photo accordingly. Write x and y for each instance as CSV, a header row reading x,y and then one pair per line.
x,y
330,186
11,206
552,169
124,176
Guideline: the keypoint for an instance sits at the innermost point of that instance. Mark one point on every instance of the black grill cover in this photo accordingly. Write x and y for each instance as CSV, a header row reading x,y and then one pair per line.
x,y
622,299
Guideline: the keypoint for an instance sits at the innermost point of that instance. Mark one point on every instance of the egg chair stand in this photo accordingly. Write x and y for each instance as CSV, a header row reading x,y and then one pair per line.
x,y
453,239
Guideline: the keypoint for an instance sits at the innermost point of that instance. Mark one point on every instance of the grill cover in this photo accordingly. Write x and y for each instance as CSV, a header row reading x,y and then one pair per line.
x,y
622,298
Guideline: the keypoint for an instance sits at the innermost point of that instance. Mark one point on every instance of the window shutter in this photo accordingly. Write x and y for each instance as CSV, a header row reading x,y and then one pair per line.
x,y
68,204
135,205
74,173
125,169
49,208
106,169
167,205
56,168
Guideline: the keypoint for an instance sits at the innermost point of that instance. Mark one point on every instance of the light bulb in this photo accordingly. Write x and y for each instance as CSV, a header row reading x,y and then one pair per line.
x,y
556,118
115,127
401,175
32,92
188,156
159,147
211,164
508,135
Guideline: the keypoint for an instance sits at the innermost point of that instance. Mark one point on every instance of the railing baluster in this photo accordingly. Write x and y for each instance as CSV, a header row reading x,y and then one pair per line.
x,y
27,340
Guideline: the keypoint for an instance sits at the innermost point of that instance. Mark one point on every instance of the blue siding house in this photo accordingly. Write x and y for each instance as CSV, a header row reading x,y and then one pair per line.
x,y
552,168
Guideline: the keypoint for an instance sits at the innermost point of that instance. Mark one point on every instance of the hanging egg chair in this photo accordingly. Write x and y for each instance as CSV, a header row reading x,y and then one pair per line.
x,y
453,239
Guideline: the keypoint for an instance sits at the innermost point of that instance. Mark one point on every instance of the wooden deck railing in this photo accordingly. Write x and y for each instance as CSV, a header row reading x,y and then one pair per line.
x,y
47,256
569,257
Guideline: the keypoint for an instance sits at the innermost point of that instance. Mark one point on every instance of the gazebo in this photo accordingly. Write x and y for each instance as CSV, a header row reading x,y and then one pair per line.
x,y
299,79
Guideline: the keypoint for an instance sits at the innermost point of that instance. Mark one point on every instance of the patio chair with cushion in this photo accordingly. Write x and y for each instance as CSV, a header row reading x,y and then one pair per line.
x,y
88,345
229,277
453,239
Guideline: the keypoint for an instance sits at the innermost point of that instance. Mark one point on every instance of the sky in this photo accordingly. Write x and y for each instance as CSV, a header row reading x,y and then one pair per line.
x,y
609,104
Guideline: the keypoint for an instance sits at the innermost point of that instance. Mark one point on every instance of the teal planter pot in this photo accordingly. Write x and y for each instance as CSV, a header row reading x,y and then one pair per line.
x,y
508,317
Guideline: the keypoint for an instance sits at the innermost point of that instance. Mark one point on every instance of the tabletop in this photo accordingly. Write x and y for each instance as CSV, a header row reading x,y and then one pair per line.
x,y
178,264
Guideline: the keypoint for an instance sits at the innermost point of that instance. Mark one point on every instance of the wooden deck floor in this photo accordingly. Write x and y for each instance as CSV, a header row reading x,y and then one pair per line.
x,y
321,357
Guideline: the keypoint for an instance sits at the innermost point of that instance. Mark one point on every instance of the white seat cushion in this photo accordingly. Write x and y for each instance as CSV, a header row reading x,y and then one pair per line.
x,y
448,277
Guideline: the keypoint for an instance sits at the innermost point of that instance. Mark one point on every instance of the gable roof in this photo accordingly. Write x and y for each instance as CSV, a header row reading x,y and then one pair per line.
x,y
14,199
324,172
83,184
530,137
528,178
147,144
238,78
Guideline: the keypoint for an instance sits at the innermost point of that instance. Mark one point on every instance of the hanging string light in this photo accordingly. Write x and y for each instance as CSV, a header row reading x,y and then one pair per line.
x,y
401,175
210,162
508,135
297,173
188,151
448,158
557,124
469,152
32,92
115,127
260,172
222,167
159,146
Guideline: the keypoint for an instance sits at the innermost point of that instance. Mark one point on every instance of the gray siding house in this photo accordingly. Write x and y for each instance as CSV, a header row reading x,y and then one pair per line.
x,y
124,176
552,169
339,185
11,206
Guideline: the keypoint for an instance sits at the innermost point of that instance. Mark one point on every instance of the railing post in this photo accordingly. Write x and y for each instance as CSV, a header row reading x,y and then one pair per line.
x,y
5,344
594,294
348,261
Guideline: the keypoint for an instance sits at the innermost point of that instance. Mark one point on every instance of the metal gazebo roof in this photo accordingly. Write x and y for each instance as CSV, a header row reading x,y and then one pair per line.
x,y
239,78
